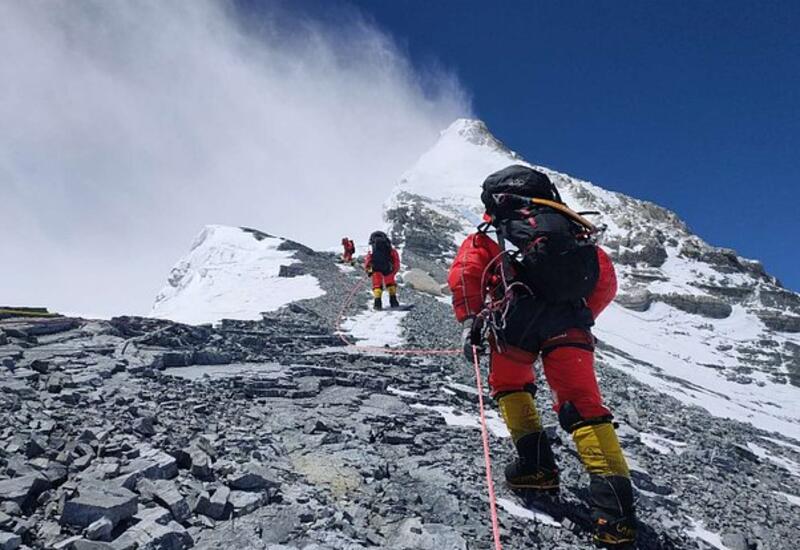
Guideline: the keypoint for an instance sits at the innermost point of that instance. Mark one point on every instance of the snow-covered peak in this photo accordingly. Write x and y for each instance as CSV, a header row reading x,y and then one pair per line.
x,y
448,170
696,321
472,131
213,236
233,273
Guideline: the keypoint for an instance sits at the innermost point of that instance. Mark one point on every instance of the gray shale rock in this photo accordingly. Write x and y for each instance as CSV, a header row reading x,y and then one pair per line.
x,y
95,501
154,536
151,464
212,357
699,305
291,271
145,426
165,493
217,506
100,529
9,541
245,502
254,477
83,544
780,322
735,541
56,382
177,359
23,491
412,534
635,300
155,514
201,465
41,366
6,521
651,254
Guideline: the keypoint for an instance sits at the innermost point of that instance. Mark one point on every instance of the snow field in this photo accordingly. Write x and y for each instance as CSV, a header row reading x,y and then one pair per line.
x,y
231,274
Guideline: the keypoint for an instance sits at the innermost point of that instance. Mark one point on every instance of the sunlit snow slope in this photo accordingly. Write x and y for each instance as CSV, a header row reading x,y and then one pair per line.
x,y
231,273
376,328
695,321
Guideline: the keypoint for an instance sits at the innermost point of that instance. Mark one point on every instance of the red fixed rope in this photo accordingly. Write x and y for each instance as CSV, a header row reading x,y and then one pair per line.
x,y
487,458
484,430
397,351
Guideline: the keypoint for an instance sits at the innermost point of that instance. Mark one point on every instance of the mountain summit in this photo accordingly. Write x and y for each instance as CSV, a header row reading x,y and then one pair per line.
x,y
475,132
448,169
695,321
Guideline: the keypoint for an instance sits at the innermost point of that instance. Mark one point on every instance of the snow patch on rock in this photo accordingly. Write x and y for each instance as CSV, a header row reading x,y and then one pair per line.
x,y
457,418
699,531
527,513
376,328
231,273
789,465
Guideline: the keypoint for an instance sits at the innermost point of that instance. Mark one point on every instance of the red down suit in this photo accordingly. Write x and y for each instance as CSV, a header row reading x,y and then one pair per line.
x,y
559,332
387,279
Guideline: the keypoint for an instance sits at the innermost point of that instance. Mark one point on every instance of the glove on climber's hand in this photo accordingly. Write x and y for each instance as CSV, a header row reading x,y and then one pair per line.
x,y
473,336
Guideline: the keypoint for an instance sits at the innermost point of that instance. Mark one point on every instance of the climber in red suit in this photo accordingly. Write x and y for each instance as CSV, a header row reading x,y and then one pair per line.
x,y
534,325
382,265
349,249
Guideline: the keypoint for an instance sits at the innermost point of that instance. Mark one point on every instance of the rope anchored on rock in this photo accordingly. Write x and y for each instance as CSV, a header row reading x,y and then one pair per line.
x,y
397,351
476,363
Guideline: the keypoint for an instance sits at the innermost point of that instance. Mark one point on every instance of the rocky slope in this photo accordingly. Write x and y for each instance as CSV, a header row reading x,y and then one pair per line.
x,y
142,433
266,431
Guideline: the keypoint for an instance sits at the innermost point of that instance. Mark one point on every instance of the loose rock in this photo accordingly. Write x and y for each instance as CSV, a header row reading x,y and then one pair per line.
x,y
97,501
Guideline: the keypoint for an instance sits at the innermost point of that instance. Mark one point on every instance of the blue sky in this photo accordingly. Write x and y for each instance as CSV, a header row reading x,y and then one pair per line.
x,y
693,105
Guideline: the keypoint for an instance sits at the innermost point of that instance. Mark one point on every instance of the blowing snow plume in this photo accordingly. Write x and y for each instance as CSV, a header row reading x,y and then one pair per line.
x,y
127,127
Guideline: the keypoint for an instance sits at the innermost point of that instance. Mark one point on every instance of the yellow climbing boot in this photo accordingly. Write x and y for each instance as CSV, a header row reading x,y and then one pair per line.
x,y
599,449
535,466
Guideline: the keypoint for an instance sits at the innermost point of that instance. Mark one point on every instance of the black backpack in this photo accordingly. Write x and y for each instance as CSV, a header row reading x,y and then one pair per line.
x,y
557,258
381,252
503,190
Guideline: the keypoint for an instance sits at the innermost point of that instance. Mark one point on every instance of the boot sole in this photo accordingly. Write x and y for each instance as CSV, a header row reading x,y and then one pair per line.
x,y
601,542
549,488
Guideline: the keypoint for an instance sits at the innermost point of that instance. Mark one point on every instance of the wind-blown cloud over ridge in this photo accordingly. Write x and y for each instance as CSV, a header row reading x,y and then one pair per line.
x,y
127,126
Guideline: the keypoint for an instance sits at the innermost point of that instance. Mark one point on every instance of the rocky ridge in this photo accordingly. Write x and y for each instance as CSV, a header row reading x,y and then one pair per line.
x,y
142,433
270,433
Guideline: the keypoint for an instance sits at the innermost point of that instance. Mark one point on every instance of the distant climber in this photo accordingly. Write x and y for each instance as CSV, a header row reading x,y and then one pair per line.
x,y
349,249
541,300
382,264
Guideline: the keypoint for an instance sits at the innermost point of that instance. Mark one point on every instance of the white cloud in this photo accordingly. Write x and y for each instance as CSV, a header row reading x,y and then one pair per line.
x,y
128,126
